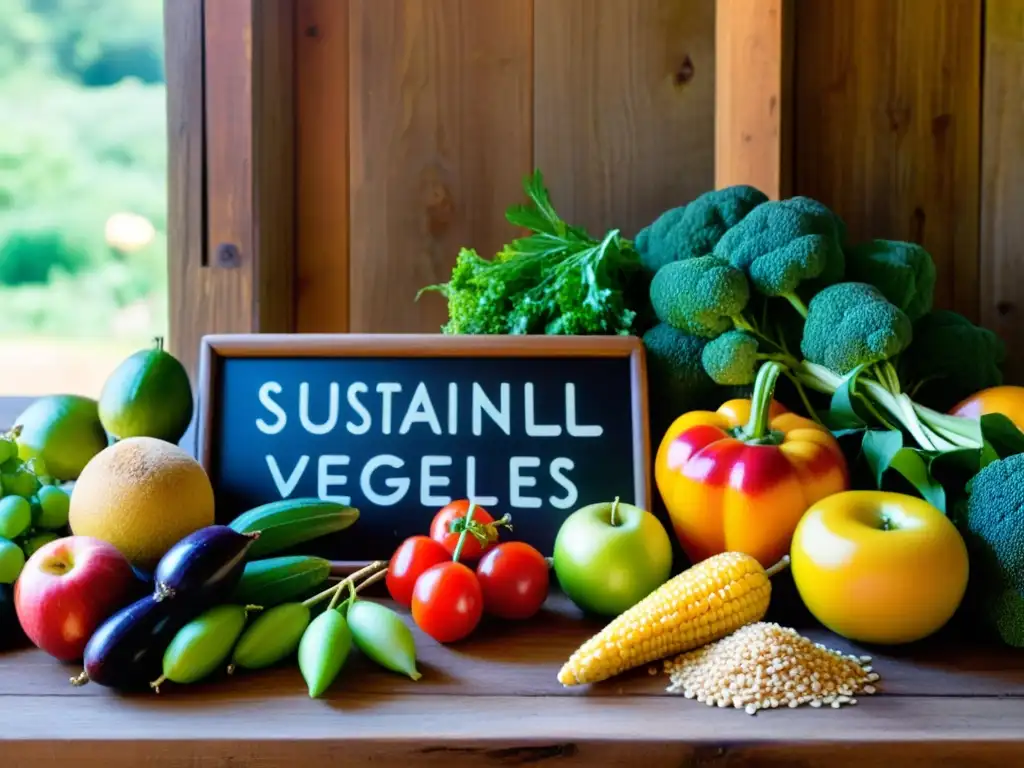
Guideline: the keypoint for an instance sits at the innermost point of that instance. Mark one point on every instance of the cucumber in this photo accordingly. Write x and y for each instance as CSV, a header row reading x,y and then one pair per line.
x,y
285,523
276,580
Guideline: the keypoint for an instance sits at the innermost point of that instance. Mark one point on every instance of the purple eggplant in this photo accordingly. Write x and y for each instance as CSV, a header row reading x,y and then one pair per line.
x,y
206,565
126,651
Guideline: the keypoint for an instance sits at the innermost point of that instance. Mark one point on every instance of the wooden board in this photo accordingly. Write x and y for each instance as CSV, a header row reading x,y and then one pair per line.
x,y
321,149
753,95
494,699
1002,179
231,242
623,118
887,125
440,109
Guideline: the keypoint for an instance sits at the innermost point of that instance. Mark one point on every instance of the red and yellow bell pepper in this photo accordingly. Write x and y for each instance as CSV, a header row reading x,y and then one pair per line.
x,y
740,478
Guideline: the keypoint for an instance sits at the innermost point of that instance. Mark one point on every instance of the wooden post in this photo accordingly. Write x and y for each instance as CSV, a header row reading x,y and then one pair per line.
x,y
752,94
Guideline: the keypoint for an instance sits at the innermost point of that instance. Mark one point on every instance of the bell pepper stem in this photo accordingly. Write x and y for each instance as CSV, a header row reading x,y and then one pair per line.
x,y
465,532
761,401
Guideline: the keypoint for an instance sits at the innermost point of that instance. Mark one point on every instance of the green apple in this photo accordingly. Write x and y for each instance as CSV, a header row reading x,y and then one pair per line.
x,y
609,556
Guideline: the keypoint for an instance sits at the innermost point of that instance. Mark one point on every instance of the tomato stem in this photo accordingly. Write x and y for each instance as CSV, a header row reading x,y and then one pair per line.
x,y
465,532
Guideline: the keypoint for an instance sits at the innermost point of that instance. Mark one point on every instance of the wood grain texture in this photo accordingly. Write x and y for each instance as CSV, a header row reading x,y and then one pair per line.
x,y
935,702
887,126
440,111
186,213
1002,180
753,95
272,218
322,182
623,107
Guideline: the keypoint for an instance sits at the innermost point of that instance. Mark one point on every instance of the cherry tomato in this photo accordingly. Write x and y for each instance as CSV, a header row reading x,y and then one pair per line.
x,y
413,557
441,530
514,580
447,603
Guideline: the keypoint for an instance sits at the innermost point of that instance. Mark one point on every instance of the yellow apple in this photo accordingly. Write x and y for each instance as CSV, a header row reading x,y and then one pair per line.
x,y
879,567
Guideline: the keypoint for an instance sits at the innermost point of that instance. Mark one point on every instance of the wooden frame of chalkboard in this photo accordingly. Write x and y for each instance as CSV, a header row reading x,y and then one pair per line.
x,y
217,348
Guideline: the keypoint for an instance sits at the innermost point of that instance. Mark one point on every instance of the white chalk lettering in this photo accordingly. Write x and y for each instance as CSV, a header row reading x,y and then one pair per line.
x,y
574,429
355,389
483,501
420,410
386,390
532,428
453,407
332,410
399,485
267,402
501,416
429,481
517,482
325,479
558,467
287,487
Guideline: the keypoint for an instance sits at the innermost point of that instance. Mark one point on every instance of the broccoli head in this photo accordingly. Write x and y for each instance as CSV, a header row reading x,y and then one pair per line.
x,y
903,272
950,358
731,359
692,230
700,296
676,379
851,324
993,529
785,245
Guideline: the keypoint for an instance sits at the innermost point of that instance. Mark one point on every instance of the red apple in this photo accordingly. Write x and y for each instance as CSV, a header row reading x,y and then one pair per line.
x,y
67,589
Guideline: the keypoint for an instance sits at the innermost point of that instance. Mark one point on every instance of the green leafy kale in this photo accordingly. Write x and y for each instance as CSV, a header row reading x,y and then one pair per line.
x,y
555,280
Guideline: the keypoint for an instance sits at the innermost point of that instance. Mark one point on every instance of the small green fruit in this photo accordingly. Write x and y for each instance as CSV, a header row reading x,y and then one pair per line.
x,y
381,634
12,560
609,556
147,395
202,645
15,516
273,636
323,650
64,430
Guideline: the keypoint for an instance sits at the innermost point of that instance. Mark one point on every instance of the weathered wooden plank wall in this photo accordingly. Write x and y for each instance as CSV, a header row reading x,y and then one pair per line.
x,y
1002,178
418,119
887,102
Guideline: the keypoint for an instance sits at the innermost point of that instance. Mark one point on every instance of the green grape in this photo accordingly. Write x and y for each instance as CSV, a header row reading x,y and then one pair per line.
x,y
21,483
11,466
36,466
15,516
32,543
54,503
8,449
12,560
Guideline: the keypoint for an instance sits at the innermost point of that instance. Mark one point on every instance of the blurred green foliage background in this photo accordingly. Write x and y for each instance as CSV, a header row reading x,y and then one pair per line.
x,y
83,156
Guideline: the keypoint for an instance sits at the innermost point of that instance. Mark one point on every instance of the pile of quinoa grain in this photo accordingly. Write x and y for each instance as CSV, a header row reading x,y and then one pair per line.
x,y
765,666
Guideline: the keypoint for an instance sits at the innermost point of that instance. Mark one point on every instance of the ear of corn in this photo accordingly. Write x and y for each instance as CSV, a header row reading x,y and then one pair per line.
x,y
700,605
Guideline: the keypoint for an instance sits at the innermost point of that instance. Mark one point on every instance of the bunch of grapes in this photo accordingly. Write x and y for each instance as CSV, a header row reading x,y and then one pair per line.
x,y
33,508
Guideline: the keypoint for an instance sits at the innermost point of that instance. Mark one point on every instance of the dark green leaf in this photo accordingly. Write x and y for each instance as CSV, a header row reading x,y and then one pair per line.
x,y
879,448
842,413
987,455
1003,435
911,463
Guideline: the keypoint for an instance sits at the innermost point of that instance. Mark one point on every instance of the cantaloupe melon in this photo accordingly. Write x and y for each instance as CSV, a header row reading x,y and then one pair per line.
x,y
142,495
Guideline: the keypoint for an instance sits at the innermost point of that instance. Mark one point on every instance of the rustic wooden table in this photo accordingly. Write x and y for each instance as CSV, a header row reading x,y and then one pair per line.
x,y
494,700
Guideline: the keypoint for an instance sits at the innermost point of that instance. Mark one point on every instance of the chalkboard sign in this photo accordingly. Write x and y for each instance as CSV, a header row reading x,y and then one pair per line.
x,y
398,425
